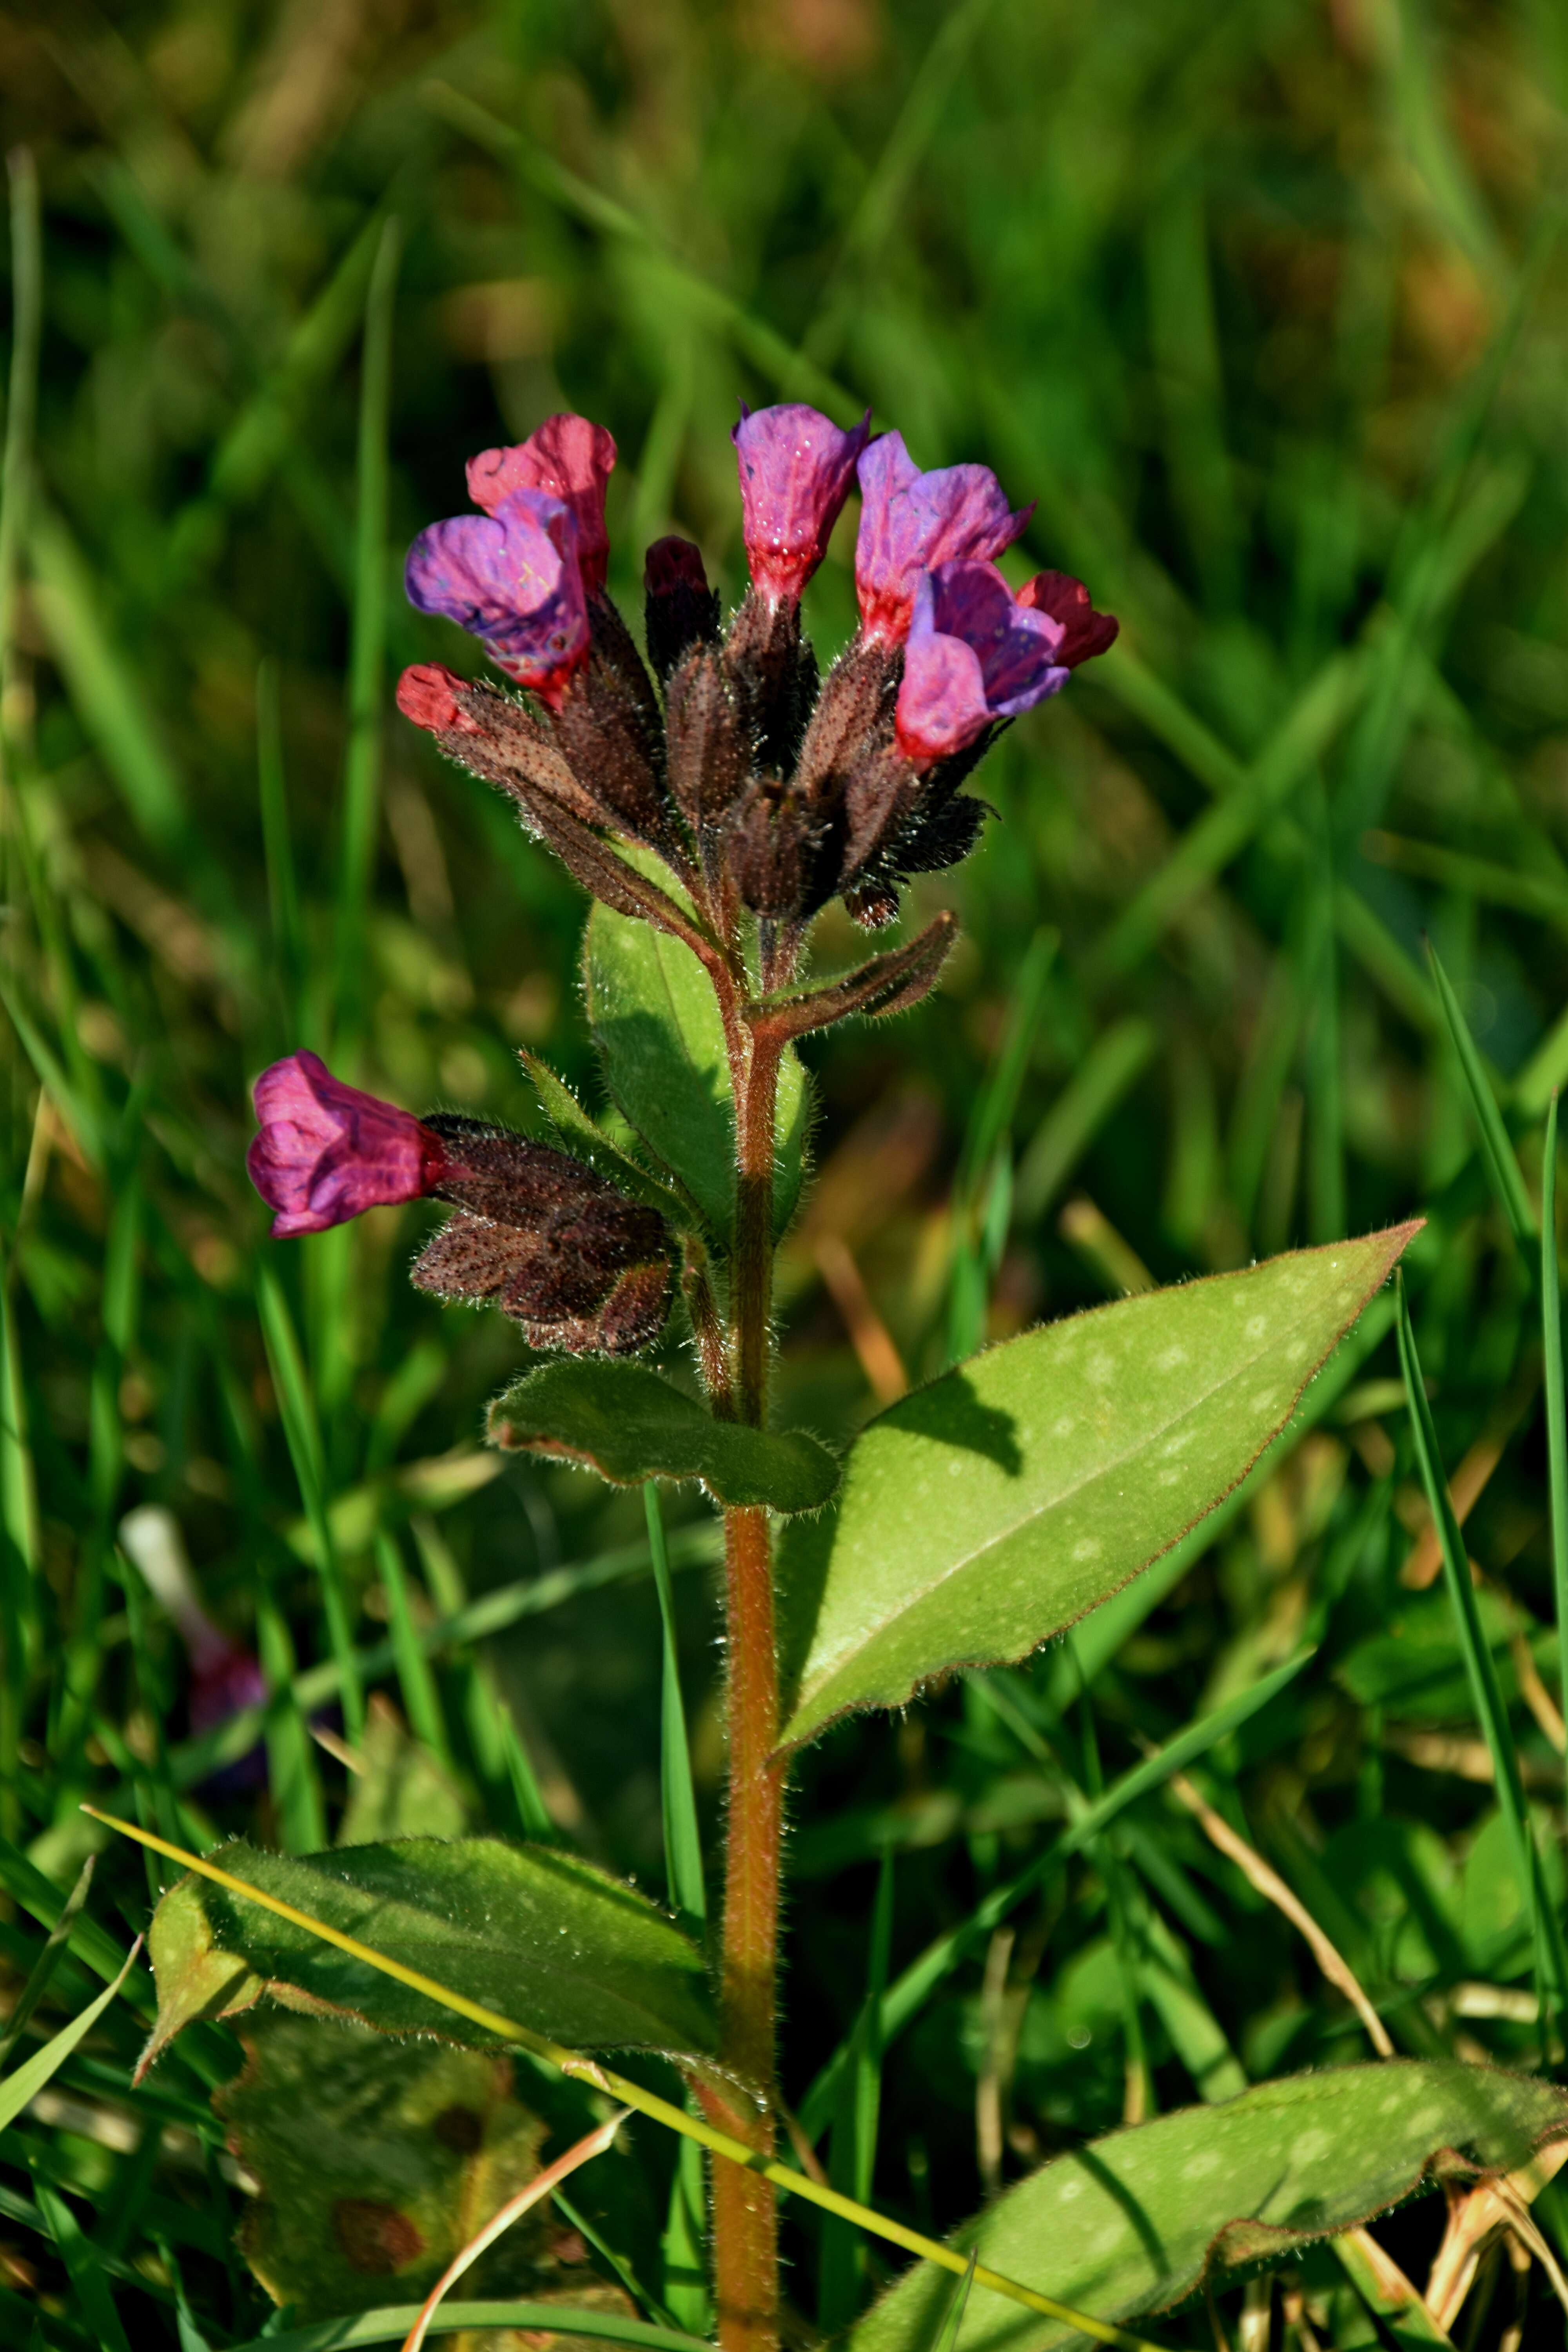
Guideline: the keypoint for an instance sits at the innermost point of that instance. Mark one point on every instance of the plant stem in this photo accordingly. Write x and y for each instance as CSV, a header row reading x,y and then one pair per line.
x,y
745,2226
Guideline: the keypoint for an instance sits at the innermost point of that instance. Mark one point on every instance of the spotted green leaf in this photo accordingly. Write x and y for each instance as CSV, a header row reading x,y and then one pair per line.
x,y
1135,2221
374,2161
987,1511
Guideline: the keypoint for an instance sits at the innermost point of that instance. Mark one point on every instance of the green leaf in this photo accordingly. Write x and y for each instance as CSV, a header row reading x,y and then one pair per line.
x,y
629,1425
1137,2220
568,1950
987,1511
377,2160
658,1026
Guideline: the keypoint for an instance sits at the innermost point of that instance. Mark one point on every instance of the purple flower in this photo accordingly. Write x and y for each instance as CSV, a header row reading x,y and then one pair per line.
x,y
572,458
910,523
974,655
512,579
327,1152
796,469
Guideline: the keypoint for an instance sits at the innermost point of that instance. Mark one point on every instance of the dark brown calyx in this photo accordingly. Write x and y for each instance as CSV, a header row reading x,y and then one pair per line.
x,y
771,850
549,1241
707,748
494,735
680,609
774,675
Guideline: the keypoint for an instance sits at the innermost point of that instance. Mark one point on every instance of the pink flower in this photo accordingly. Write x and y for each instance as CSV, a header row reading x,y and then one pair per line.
x,y
573,460
514,579
327,1152
974,655
796,469
1068,601
910,523
428,695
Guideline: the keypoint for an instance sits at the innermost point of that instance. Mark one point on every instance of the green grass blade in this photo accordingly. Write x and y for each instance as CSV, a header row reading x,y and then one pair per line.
x,y
22,396
682,1837
1481,1670
20,1591
683,2245
107,694
953,2320
1110,1067
457,1630
1552,1382
304,1438
421,1699
909,1992
282,884
499,1758
615,2262
42,1969
852,2154
293,1773
392,2324
25,2083
1502,1164
88,2282
996,1105
362,768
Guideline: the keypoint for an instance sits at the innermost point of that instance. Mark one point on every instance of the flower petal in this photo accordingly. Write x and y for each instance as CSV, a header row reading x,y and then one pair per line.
x,y
1086,633
511,578
327,1152
572,458
796,469
911,521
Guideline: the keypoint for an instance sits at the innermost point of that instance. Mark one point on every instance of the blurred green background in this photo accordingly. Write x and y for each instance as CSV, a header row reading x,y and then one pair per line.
x,y
1265,305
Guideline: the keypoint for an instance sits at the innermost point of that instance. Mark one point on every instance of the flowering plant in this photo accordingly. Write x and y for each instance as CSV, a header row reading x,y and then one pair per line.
x,y
713,794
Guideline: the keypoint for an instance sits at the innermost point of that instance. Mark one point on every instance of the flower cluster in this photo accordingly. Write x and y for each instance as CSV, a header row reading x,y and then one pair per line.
x,y
763,789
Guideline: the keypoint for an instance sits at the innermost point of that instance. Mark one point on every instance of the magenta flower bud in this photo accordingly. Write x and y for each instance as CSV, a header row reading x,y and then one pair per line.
x,y
910,523
573,460
673,567
796,470
1068,602
326,1151
974,655
512,579
428,695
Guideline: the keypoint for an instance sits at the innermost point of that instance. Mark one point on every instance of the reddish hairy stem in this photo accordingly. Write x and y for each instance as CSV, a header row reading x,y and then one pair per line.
x,y
745,2227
